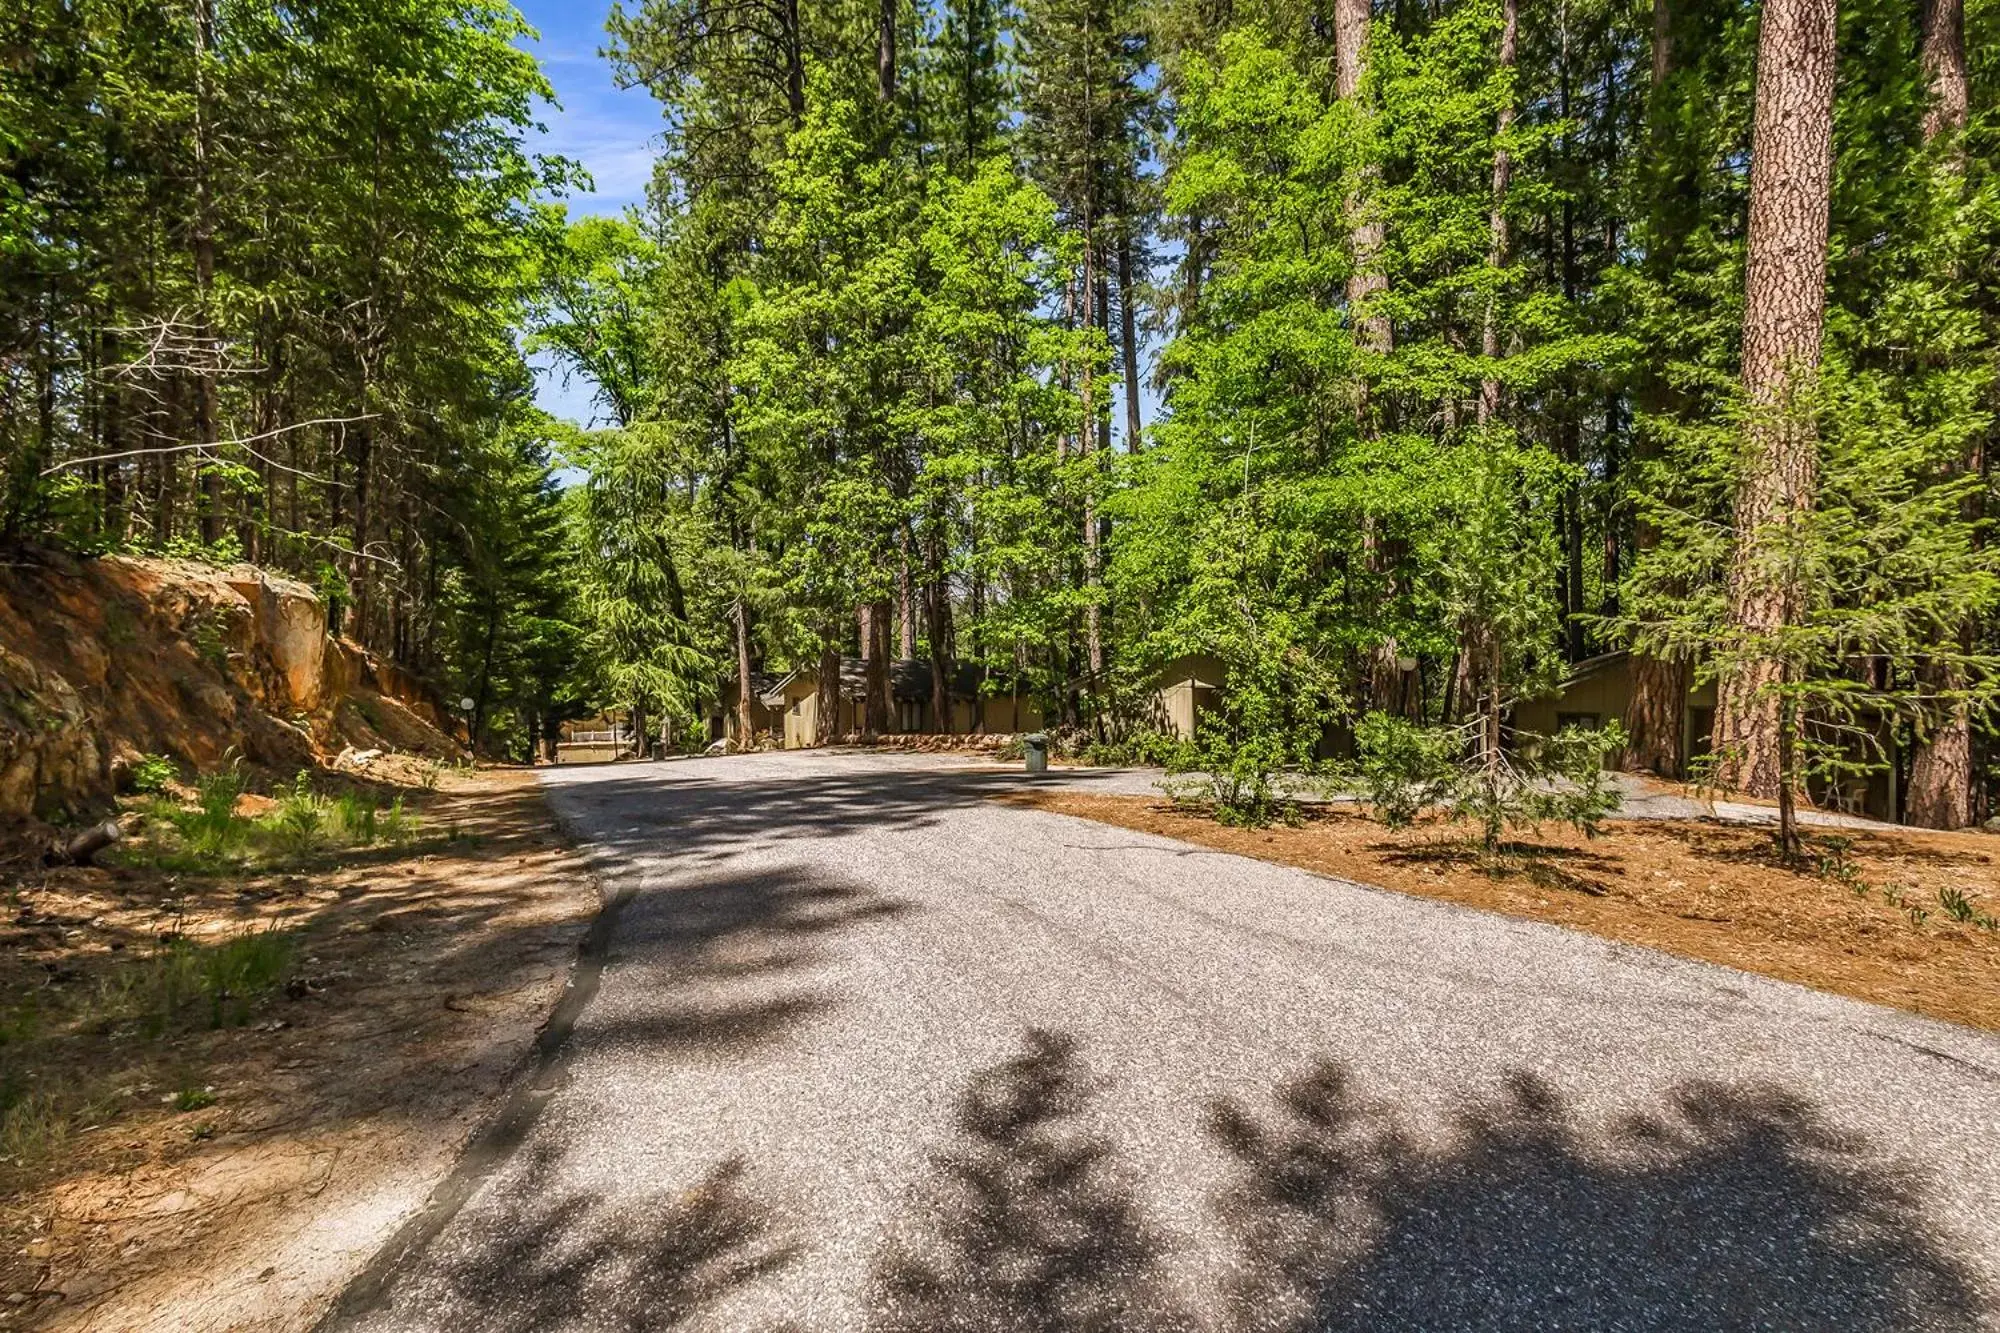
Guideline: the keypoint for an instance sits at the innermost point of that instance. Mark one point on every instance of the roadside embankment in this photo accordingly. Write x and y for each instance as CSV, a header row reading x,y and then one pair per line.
x,y
105,661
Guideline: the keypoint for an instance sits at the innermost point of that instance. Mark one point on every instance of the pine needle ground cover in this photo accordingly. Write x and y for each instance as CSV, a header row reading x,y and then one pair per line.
x,y
1895,917
225,1063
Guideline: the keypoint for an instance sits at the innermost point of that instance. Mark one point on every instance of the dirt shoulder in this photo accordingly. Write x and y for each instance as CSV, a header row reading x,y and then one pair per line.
x,y
232,1166
1869,920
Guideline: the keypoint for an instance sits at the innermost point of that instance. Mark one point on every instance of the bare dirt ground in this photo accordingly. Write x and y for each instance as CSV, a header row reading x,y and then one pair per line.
x,y
1867,919
235,1176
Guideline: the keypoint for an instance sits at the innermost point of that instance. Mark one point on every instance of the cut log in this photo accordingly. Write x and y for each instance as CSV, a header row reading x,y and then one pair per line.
x,y
82,848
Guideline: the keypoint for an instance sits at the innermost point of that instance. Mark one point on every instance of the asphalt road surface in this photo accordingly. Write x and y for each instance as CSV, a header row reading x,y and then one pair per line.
x,y
871,1050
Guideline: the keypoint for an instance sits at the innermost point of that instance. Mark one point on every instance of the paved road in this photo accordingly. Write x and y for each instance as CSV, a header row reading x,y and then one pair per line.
x,y
872,1051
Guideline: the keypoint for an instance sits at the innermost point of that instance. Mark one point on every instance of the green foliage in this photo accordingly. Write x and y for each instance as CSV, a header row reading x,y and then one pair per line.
x,y
1444,372
193,1099
307,238
151,773
1406,771
211,838
1143,748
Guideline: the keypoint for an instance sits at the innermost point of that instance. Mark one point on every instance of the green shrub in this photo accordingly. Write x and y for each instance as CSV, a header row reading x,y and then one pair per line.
x,y
1405,770
1141,749
193,1099
236,975
398,825
151,773
1402,769
212,830
299,820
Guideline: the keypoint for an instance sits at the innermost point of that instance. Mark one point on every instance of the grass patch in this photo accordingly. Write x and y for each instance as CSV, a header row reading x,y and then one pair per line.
x,y
210,836
187,984
183,986
194,1099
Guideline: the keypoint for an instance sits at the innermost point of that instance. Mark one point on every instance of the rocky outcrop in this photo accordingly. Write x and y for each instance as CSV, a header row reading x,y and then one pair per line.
x,y
49,753
107,659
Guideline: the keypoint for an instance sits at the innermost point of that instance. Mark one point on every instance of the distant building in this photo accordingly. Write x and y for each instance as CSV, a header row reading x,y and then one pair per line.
x,y
784,710
791,703
1186,689
1598,689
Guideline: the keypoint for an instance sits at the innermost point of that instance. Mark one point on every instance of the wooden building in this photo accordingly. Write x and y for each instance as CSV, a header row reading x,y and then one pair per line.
x,y
1598,689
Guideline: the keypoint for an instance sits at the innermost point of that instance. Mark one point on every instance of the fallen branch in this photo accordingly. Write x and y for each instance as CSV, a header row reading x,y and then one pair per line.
x,y
82,849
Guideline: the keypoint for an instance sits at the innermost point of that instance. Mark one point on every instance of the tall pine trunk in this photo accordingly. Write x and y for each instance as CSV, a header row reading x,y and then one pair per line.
x,y
827,704
206,351
1941,778
1480,640
1654,713
1791,173
1944,67
1366,282
1496,222
1128,336
937,596
1093,613
741,615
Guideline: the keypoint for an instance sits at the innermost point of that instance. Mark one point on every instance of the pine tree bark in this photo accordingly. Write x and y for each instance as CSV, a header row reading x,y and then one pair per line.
x,y
1372,331
1663,43
1791,172
885,54
906,628
827,702
745,736
1093,613
206,352
937,595
1654,713
1496,222
1366,235
1128,337
1944,67
878,701
1941,778
1480,648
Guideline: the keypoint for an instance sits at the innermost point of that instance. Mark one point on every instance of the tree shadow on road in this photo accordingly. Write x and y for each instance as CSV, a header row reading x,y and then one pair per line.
x,y
1037,1225
578,1263
721,951
713,809
1724,1209
1731,1209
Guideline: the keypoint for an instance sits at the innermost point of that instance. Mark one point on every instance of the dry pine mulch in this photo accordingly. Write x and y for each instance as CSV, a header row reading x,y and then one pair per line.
x,y
1701,889
421,976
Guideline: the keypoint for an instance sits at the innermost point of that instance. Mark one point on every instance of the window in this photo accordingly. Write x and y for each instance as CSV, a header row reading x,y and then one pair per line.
x,y
1581,721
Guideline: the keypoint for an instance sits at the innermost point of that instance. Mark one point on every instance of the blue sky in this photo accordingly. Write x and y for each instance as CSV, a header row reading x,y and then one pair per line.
x,y
611,131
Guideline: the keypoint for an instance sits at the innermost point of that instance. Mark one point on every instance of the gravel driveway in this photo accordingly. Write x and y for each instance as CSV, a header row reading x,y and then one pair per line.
x,y
872,1051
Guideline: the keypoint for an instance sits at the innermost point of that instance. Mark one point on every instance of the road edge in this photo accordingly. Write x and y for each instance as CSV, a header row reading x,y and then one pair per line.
x,y
537,1076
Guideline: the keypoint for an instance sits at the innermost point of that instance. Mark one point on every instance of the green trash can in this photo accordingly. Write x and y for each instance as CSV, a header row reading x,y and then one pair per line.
x,y
1035,745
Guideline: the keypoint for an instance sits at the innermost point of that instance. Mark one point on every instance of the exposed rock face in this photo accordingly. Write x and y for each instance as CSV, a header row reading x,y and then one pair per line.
x,y
103,660
291,629
50,760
